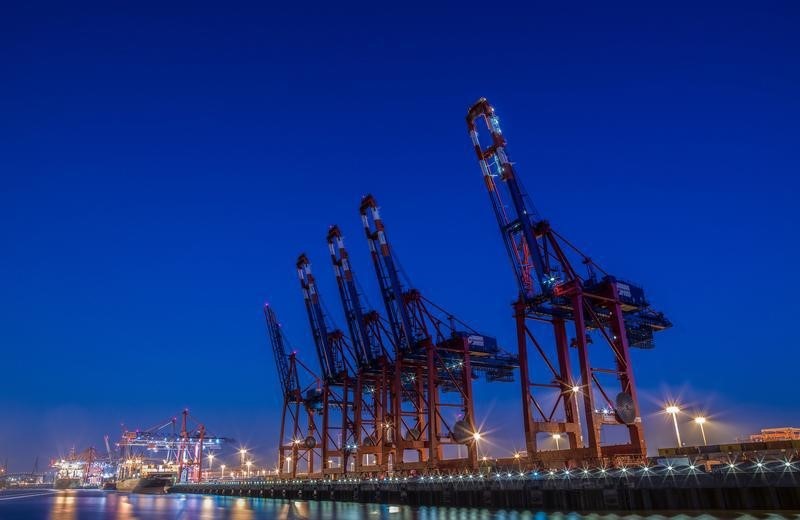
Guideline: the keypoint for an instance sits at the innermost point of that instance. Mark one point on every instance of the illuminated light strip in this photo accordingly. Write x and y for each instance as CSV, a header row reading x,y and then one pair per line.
x,y
28,496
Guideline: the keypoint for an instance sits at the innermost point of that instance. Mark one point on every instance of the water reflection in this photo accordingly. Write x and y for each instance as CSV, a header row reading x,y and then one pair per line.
x,y
96,504
63,507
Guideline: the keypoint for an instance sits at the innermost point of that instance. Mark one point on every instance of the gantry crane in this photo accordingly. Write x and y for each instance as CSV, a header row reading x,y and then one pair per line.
x,y
373,391
338,385
183,449
603,309
436,355
301,443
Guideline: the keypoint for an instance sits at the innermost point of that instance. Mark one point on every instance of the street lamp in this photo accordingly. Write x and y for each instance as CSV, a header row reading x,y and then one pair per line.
x,y
476,437
556,437
222,474
673,411
242,453
249,463
575,391
700,421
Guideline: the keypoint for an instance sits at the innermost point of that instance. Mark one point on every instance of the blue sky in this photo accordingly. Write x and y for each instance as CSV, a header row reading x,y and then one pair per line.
x,y
162,167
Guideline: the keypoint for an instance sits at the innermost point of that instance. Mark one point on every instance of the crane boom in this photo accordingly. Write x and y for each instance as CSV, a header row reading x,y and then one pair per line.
x,y
517,221
288,380
351,301
538,254
327,360
278,348
386,271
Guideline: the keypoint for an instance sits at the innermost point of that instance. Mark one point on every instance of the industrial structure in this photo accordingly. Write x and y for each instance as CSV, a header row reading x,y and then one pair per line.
x,y
612,314
84,469
776,434
394,394
300,444
436,358
170,448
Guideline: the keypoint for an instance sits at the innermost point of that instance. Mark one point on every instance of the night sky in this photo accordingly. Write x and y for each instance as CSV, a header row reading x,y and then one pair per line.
x,y
162,167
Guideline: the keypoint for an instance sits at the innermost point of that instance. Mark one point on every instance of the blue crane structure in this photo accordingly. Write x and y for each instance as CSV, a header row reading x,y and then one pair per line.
x,y
435,355
299,447
605,311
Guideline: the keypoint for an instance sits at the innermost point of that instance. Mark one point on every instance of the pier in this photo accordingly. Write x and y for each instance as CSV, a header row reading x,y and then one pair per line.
x,y
576,490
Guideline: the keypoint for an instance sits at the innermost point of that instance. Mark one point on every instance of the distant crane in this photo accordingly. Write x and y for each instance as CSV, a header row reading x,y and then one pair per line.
x,y
552,291
184,448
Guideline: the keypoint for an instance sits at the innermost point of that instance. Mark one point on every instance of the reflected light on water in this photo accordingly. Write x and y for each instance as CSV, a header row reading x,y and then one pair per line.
x,y
242,510
64,507
100,505
123,507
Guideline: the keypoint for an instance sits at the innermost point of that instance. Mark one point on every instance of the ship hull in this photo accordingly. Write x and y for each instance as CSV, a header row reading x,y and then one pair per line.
x,y
152,485
67,483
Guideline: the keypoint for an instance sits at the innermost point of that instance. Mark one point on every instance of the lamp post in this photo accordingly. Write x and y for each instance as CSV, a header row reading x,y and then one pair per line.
x,y
249,463
673,411
476,438
556,437
210,464
222,474
575,391
242,453
700,421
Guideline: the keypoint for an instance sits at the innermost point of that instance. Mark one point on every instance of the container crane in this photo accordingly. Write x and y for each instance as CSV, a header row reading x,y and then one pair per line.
x,y
551,290
434,357
300,444
338,388
373,394
183,449
190,450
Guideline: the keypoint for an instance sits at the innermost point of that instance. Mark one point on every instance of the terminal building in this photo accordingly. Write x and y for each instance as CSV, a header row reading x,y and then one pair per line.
x,y
772,444
776,434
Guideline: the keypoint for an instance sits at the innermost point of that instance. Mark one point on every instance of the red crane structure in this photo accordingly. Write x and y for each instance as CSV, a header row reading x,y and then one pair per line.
x,y
338,382
436,359
374,393
610,314
300,444
184,449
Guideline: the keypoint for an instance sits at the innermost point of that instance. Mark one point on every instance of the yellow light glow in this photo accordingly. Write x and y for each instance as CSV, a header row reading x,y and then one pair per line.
x,y
476,436
672,409
700,420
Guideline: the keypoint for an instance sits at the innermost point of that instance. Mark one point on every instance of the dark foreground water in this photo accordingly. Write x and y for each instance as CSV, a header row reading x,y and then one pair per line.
x,y
96,504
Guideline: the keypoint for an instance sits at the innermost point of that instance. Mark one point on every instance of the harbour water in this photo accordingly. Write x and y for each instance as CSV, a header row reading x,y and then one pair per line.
x,y
37,504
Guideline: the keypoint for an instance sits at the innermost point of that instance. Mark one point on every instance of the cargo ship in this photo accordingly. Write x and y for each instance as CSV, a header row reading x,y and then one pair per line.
x,y
139,475
67,483
80,470
156,483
